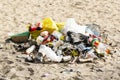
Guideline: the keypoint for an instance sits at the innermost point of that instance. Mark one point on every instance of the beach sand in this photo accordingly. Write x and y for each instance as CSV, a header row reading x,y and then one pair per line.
x,y
15,14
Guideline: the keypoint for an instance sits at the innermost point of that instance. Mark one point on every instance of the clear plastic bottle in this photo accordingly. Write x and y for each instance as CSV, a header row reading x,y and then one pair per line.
x,y
50,53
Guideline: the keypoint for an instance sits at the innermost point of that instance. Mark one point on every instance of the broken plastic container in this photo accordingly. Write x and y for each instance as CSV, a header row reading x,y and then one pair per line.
x,y
49,53
72,26
102,49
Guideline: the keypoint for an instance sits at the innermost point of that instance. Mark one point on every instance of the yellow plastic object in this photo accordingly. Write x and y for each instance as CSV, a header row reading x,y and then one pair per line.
x,y
50,43
35,34
62,38
49,25
60,25
74,53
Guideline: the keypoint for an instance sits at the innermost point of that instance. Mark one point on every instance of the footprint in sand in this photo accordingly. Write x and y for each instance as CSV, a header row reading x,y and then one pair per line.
x,y
31,71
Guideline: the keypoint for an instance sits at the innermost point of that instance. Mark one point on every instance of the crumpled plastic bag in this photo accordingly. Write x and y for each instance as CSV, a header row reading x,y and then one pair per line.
x,y
49,25
93,29
60,25
72,26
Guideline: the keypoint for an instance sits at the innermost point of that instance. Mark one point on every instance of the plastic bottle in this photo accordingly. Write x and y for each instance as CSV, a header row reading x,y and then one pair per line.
x,y
29,50
67,58
104,37
95,42
50,53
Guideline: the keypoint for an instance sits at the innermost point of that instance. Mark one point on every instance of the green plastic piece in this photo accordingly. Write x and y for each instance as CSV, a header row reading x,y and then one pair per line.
x,y
20,38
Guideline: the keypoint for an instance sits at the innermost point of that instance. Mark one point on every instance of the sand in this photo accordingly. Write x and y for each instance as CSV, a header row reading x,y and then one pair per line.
x,y
15,14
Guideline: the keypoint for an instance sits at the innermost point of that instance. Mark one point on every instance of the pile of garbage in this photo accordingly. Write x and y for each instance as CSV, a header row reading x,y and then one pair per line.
x,y
50,41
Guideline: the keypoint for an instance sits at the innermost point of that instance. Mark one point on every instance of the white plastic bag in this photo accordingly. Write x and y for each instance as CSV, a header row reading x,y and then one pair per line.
x,y
71,25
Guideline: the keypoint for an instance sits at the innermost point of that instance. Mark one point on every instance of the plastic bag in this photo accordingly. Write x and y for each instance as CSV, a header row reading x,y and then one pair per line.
x,y
60,25
93,29
49,25
72,26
